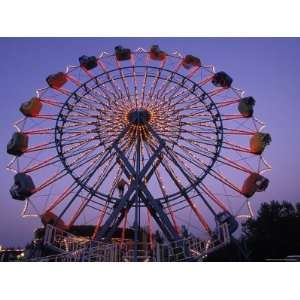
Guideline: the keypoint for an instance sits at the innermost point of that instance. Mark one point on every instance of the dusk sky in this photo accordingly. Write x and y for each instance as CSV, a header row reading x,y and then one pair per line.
x,y
267,68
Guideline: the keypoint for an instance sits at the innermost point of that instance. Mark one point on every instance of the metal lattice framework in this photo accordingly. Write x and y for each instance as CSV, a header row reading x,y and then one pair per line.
x,y
139,142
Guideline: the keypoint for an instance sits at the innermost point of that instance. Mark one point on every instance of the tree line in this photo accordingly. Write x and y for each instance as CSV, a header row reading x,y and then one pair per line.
x,y
273,234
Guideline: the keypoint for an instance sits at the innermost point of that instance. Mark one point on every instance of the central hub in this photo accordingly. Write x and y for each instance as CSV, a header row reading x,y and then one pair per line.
x,y
139,116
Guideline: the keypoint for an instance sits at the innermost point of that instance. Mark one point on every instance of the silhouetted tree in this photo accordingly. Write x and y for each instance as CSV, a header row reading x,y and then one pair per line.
x,y
275,233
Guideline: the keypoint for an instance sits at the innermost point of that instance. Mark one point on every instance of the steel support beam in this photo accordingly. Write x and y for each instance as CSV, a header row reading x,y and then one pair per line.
x,y
138,187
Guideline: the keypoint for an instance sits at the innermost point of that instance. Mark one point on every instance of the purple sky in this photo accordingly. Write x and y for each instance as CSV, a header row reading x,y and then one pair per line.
x,y
267,68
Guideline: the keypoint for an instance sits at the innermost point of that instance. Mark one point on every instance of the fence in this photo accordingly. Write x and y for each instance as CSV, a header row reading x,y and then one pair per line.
x,y
73,248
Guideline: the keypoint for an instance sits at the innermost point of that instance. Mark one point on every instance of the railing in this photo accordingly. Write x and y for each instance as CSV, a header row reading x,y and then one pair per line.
x,y
193,249
63,241
73,248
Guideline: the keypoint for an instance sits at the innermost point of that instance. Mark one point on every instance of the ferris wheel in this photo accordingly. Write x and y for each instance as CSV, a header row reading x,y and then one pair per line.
x,y
140,138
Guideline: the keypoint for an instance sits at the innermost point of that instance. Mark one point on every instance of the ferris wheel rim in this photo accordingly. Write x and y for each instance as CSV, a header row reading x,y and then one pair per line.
x,y
219,128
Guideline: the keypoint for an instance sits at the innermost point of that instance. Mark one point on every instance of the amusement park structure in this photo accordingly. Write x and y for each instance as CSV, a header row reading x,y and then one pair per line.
x,y
156,153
